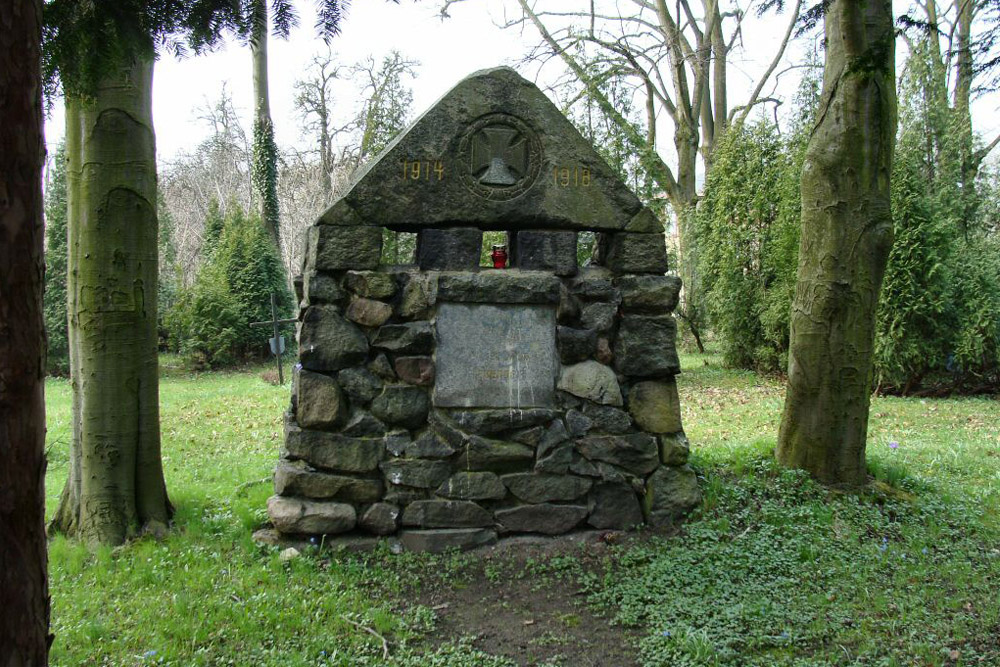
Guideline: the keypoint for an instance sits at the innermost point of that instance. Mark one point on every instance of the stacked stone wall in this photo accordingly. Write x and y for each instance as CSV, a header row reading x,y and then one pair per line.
x,y
367,450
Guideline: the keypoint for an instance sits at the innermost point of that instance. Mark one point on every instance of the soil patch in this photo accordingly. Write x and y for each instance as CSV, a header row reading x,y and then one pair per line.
x,y
522,600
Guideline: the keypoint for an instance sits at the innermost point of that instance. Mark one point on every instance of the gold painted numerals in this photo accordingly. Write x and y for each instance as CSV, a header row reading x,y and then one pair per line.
x,y
423,170
565,177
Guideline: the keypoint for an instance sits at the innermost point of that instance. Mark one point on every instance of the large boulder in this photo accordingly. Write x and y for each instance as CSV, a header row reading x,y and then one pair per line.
x,y
592,381
297,516
655,406
328,342
671,492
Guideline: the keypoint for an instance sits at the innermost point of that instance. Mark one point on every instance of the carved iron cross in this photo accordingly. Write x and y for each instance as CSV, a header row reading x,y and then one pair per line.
x,y
499,156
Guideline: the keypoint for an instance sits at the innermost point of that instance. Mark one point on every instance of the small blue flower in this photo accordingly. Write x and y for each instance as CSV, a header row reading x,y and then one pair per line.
x,y
884,545
784,635
893,445
149,654
665,633
924,551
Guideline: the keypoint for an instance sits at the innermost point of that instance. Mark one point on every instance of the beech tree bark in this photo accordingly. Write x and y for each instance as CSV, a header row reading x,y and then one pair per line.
x,y
846,237
24,596
115,486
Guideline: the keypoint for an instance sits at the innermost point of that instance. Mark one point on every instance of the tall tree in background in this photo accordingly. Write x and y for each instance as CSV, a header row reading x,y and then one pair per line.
x,y
264,169
846,238
314,100
24,596
56,220
387,103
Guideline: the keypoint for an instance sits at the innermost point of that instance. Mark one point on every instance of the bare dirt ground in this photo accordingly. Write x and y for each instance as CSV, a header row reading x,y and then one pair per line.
x,y
513,601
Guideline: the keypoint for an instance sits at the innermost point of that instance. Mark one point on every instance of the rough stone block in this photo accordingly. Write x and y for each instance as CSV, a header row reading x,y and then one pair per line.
x,y
368,312
446,539
544,518
360,385
510,286
654,295
417,473
543,488
595,283
607,419
638,453
334,451
625,252
553,251
340,214
473,486
556,462
319,401
592,381
371,284
598,316
297,516
655,406
361,424
452,249
319,287
342,248
575,345
382,368
429,446
645,222
328,342
491,422
446,514
674,449
402,405
411,338
295,479
380,519
645,346
415,370
671,492
577,423
495,455
419,295
615,507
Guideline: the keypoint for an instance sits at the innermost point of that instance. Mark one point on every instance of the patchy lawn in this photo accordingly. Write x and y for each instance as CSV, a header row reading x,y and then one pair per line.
x,y
772,570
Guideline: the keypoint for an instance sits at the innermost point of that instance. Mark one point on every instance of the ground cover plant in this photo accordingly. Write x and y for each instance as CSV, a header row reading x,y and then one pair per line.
x,y
772,570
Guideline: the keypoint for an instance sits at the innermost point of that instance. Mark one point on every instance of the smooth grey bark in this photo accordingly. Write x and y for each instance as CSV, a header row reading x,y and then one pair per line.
x,y
24,595
115,487
846,237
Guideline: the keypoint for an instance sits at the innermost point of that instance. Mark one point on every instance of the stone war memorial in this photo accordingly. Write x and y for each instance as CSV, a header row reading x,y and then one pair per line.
x,y
446,404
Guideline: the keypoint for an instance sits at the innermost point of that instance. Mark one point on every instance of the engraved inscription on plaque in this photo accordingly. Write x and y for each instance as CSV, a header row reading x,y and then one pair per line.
x,y
501,356
500,156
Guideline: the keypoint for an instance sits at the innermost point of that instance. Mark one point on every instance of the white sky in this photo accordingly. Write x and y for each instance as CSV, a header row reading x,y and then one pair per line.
x,y
447,50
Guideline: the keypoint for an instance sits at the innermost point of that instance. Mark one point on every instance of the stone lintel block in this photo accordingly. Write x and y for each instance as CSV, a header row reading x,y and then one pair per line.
x,y
543,518
343,248
543,250
298,516
340,214
655,295
333,451
492,421
655,406
625,252
446,539
500,286
319,402
450,249
645,222
646,346
296,479
495,455
328,342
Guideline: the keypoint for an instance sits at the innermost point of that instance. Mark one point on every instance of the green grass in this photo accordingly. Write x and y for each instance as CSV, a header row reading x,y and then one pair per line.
x,y
772,570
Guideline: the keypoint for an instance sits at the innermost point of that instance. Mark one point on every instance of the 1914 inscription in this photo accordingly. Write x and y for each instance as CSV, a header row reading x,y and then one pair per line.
x,y
495,356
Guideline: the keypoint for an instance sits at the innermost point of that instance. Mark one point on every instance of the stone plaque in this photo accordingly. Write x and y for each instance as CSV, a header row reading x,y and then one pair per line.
x,y
501,356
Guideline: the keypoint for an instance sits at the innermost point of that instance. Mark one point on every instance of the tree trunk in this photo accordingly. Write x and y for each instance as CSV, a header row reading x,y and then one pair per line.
x,y
24,595
264,171
115,487
846,237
